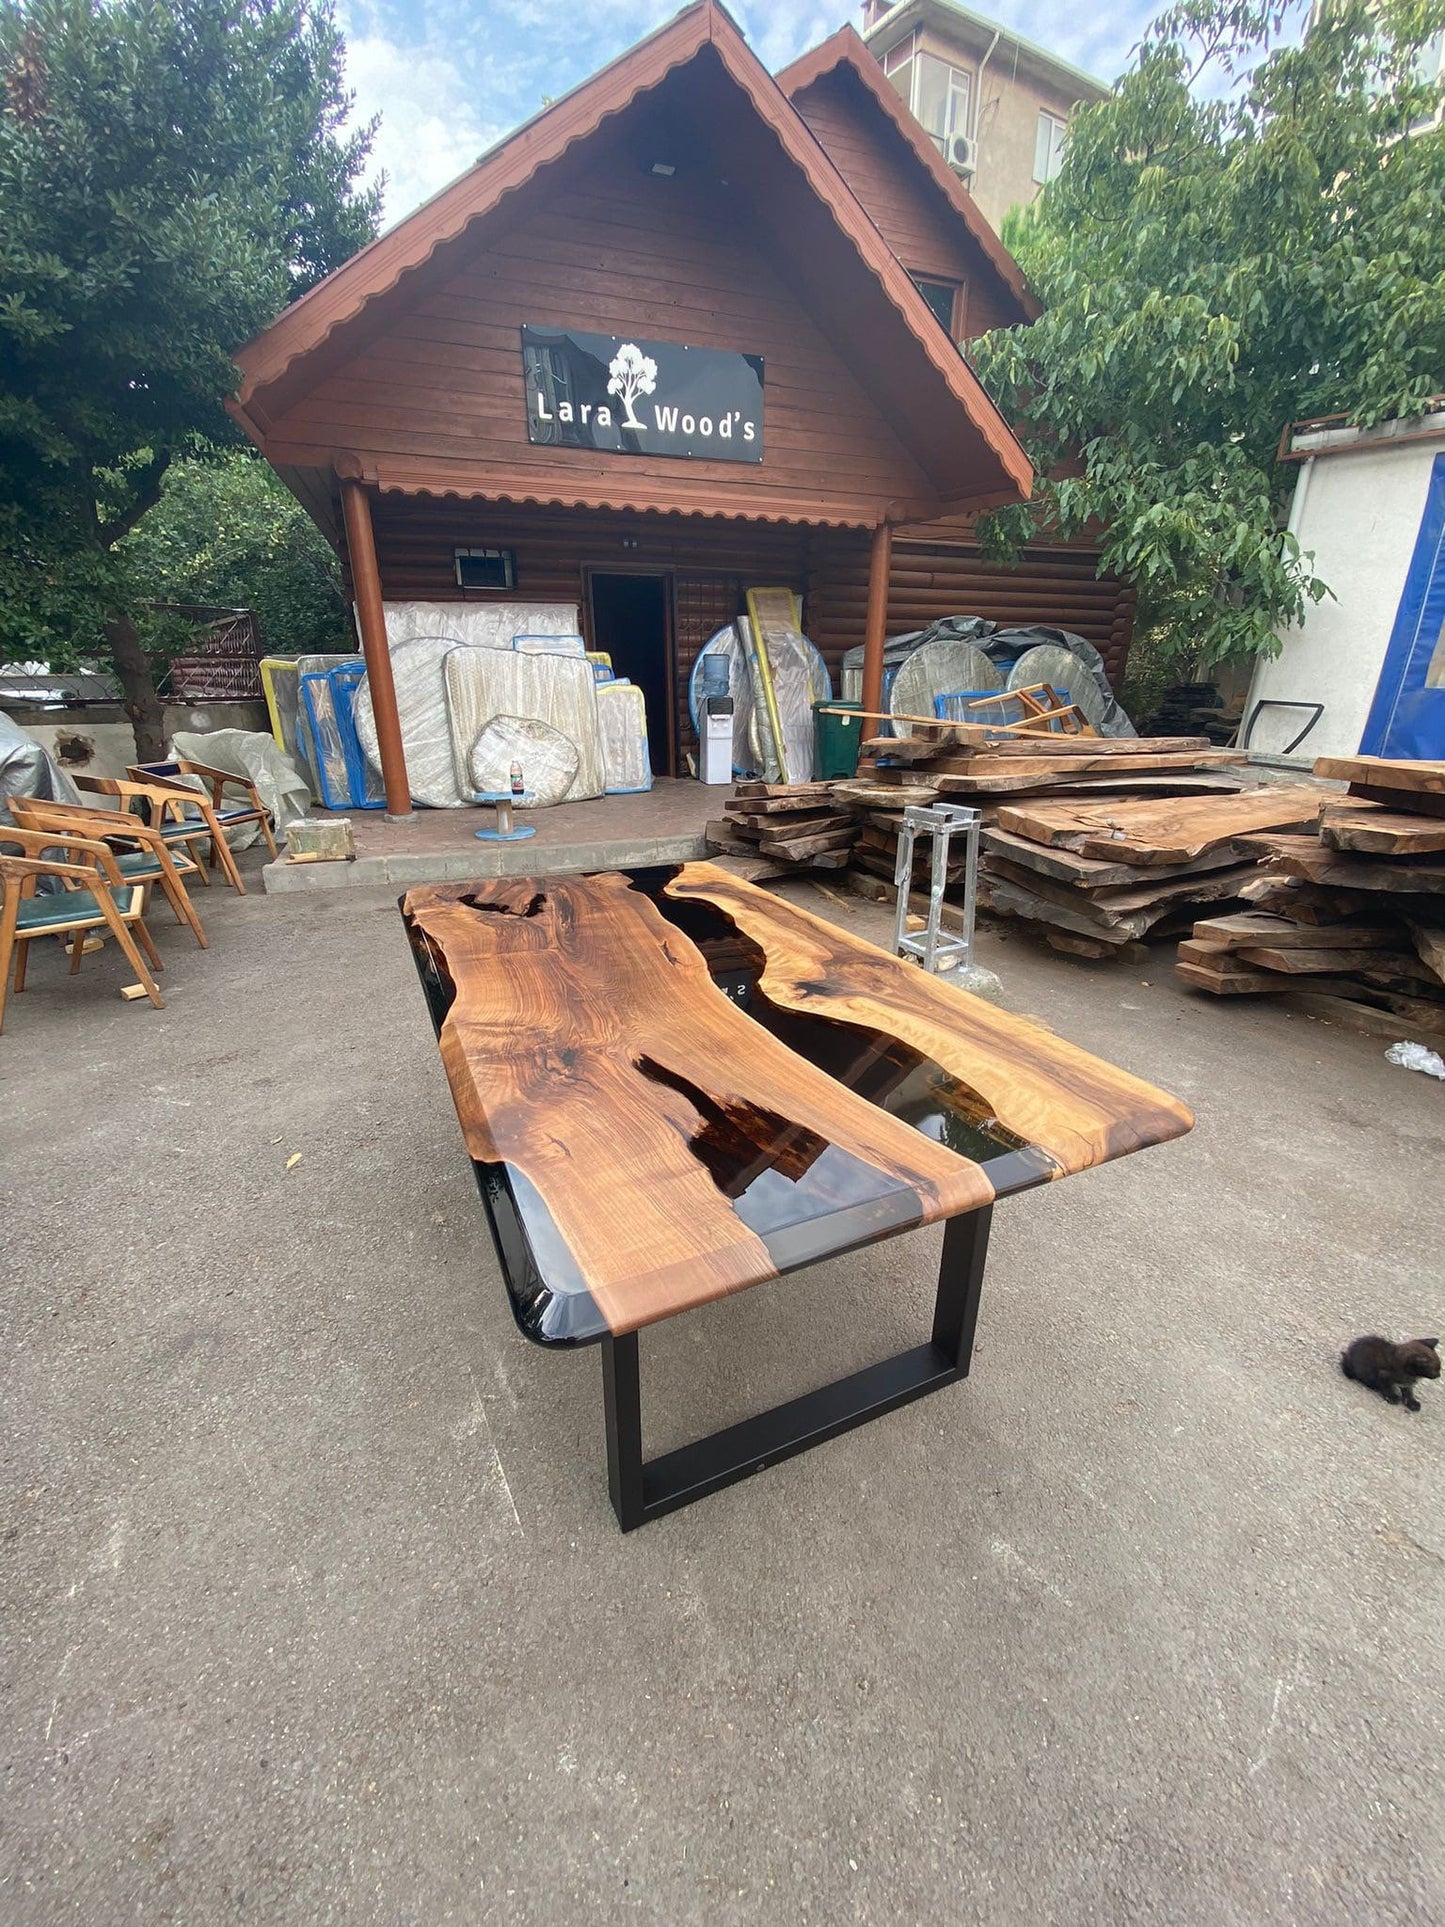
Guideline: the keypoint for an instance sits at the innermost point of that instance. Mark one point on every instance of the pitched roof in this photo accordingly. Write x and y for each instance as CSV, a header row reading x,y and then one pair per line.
x,y
942,411
846,48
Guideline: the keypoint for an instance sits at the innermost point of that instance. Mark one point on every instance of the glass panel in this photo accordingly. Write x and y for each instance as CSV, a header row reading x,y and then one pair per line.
x,y
939,296
942,99
1049,147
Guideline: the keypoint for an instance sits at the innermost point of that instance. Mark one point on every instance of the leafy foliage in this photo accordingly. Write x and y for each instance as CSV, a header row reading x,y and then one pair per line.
x,y
172,173
226,533
1211,269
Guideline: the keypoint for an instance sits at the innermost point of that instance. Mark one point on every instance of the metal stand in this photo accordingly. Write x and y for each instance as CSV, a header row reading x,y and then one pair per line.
x,y
932,945
646,1491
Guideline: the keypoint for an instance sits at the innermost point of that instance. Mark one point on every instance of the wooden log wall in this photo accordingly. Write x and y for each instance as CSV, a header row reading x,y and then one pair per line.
x,y
1057,587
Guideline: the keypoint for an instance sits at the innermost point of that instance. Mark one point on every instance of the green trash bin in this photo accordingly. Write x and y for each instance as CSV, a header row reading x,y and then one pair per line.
x,y
836,740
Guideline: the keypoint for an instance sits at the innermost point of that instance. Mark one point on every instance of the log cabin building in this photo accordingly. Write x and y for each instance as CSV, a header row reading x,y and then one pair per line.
x,y
689,330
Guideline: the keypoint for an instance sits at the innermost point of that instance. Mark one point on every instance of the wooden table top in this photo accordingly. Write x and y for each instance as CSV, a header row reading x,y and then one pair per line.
x,y
664,1145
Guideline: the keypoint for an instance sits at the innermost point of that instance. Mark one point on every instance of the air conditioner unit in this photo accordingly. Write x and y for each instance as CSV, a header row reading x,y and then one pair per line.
x,y
962,155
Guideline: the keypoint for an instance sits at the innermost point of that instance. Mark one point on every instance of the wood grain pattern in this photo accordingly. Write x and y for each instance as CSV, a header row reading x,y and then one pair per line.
x,y
1165,832
1077,1108
588,1046
1383,772
1371,831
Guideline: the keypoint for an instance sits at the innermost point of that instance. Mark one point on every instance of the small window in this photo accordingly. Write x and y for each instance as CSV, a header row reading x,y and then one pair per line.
x,y
486,568
940,296
1049,147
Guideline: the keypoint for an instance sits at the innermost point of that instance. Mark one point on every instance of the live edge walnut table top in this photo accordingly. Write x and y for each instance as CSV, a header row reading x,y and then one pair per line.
x,y
683,1086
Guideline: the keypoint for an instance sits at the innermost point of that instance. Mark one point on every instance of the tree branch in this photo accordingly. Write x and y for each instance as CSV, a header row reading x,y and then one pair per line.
x,y
148,493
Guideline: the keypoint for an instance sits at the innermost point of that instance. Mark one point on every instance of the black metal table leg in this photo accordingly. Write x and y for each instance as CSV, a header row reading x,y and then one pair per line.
x,y
646,1491
960,1285
622,1398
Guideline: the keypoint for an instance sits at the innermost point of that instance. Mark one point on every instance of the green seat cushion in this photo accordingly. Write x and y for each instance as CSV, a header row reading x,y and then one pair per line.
x,y
142,866
59,908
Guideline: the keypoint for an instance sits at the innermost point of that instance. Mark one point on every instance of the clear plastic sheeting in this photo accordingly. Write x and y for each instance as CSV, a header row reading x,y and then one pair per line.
x,y
622,728
547,758
939,668
27,769
283,790
480,625
1109,718
550,645
1065,674
421,703
727,647
483,684
328,755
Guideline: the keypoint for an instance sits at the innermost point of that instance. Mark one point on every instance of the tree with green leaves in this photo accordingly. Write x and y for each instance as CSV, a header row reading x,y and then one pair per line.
x,y
228,534
1248,232
172,173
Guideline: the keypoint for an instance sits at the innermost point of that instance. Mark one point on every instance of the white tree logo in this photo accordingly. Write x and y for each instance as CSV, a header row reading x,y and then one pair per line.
x,y
633,373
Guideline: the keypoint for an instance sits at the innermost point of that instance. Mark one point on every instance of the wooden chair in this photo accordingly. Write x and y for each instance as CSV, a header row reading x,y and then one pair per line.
x,y
253,811
181,815
152,862
95,897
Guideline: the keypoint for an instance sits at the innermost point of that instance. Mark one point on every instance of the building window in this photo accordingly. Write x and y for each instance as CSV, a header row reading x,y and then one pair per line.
x,y
937,93
941,296
1049,147
485,568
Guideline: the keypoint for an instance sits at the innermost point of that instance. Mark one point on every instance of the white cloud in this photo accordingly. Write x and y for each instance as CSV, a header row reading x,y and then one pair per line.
x,y
430,129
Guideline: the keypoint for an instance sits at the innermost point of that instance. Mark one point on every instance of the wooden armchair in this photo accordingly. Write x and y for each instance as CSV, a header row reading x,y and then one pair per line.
x,y
182,815
228,815
95,897
151,861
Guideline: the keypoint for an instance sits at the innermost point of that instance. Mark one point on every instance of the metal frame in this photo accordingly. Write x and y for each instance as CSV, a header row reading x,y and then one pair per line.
x,y
1281,702
942,821
643,1490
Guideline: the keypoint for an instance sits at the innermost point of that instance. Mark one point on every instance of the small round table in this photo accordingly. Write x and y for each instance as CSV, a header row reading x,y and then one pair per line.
x,y
506,829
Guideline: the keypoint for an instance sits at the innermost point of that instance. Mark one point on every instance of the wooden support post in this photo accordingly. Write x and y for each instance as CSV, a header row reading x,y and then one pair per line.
x,y
880,564
371,619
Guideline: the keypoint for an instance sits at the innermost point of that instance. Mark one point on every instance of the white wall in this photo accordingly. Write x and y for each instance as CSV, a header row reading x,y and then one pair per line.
x,y
1360,514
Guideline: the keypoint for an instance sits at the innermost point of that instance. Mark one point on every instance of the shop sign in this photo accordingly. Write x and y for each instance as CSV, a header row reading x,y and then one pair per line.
x,y
624,395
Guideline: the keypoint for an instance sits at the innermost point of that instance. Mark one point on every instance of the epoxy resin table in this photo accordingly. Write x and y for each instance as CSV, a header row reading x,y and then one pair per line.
x,y
673,1085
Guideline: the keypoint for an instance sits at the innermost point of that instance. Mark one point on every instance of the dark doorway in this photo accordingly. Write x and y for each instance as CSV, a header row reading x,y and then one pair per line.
x,y
629,622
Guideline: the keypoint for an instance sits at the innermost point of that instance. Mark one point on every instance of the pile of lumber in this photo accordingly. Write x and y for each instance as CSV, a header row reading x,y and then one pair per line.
x,y
990,769
1349,916
786,825
1093,876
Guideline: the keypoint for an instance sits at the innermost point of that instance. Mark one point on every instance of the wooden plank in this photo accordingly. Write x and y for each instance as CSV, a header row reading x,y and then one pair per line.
x,y
1068,866
1164,832
810,845
1129,901
1296,961
1421,802
1306,857
1225,983
1369,830
1429,941
1383,772
1257,927
1337,1006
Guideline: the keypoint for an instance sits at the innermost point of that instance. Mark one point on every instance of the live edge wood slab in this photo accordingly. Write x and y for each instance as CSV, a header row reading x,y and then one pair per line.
x,y
590,1050
674,1086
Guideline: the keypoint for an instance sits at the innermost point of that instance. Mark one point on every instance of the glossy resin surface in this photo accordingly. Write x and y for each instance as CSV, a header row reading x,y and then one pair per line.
x,y
673,1086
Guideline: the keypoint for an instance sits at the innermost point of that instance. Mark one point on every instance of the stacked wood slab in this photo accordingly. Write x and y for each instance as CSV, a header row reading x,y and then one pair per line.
x,y
789,825
1061,854
1096,875
1348,915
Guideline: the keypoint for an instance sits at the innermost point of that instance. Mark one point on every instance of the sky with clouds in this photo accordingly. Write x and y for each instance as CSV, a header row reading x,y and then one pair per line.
x,y
449,77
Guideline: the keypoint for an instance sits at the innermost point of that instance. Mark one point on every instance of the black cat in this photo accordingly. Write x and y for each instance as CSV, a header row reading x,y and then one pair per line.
x,y
1391,1370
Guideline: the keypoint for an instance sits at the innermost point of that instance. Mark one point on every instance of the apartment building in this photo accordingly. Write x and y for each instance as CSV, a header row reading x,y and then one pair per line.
x,y
996,106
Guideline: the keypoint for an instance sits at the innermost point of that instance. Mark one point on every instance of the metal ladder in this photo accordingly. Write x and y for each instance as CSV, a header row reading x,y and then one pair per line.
x,y
932,945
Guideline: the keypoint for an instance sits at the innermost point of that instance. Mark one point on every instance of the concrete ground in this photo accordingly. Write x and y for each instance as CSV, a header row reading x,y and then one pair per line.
x,y
315,1609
